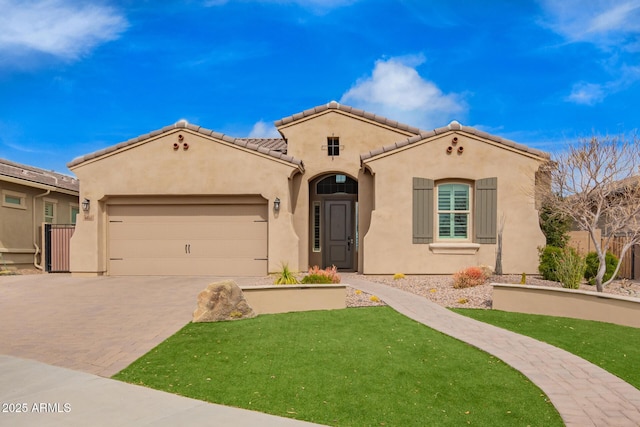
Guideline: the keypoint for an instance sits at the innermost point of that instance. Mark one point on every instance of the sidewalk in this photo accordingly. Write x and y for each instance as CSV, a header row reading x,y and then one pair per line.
x,y
584,394
55,396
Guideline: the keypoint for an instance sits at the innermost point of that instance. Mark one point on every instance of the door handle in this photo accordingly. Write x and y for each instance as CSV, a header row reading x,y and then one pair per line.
x,y
187,248
349,243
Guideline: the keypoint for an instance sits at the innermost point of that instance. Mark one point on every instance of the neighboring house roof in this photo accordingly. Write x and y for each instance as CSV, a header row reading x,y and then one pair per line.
x,y
333,105
453,126
270,147
38,176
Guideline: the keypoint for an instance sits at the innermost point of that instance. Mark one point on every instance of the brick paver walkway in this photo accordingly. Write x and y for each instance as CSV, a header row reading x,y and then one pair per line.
x,y
96,325
583,394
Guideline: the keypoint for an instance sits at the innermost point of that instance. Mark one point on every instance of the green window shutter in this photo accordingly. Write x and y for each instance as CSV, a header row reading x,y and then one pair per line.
x,y
422,210
486,212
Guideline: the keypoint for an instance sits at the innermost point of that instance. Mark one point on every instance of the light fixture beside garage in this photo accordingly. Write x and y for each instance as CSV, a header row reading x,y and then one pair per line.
x,y
86,204
276,204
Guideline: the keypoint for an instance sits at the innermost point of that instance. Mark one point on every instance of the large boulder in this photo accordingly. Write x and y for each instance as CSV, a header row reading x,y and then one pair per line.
x,y
222,301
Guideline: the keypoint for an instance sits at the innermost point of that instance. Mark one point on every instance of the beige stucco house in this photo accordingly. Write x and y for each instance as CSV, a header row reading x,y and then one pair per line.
x,y
342,187
31,197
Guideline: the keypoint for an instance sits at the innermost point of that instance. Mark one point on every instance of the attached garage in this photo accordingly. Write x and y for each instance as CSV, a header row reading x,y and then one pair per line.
x,y
225,239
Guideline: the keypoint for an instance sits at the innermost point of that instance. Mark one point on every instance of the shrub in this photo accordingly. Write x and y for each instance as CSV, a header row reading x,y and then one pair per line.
x,y
286,277
374,298
570,267
555,227
316,279
330,272
523,279
398,276
611,261
548,262
469,277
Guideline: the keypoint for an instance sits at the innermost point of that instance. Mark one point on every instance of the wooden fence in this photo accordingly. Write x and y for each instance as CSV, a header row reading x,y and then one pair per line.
x,y
628,270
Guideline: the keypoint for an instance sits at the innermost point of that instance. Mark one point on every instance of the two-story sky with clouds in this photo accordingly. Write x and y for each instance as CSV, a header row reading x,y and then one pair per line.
x,y
79,76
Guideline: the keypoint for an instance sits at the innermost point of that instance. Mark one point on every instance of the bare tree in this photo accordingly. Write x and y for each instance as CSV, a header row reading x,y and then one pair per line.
x,y
595,182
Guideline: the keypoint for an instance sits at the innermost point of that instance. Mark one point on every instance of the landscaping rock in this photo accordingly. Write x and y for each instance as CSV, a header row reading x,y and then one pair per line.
x,y
222,301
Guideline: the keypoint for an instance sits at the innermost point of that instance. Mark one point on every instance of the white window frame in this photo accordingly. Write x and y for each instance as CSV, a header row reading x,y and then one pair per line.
x,y
21,196
54,204
468,212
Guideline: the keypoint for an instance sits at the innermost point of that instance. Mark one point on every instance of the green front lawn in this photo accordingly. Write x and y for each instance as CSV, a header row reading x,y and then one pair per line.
x,y
614,348
353,367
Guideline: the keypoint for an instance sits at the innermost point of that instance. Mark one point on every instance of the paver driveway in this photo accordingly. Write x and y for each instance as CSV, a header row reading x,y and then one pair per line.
x,y
97,325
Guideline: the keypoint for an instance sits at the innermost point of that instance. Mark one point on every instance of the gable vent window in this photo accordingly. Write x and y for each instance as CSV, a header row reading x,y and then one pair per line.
x,y
333,146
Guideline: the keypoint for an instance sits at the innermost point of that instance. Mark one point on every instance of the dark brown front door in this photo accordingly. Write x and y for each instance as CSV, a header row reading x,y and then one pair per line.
x,y
339,234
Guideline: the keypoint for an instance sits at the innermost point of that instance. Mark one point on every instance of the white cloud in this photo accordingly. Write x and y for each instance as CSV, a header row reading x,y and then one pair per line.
x,y
396,90
586,94
263,129
613,26
602,22
61,28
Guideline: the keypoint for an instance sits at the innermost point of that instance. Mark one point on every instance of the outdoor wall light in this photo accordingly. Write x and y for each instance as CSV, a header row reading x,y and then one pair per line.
x,y
86,204
276,204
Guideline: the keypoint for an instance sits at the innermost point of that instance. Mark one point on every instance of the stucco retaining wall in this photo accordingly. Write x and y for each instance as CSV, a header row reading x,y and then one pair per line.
x,y
567,303
287,298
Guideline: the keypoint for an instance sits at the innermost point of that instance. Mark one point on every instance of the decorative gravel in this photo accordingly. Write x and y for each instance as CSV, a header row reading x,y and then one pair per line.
x,y
440,290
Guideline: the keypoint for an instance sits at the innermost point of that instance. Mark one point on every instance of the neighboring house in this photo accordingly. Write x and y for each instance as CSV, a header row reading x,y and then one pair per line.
x,y
30,197
342,187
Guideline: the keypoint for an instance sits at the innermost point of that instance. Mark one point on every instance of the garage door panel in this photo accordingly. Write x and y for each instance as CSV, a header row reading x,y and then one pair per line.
x,y
193,213
169,231
188,267
253,248
188,239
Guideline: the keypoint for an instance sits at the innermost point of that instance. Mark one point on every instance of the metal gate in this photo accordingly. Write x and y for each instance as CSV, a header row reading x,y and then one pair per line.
x,y
57,239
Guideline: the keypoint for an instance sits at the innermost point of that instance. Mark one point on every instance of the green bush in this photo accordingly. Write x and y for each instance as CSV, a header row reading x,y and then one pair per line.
x,y
555,227
316,279
570,267
548,267
593,263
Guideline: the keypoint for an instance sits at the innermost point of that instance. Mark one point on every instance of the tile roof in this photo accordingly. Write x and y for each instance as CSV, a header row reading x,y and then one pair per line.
x,y
264,146
37,175
453,126
333,105
277,144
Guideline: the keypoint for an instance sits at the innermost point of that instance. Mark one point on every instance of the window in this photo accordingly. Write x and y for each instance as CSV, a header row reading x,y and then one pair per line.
x,y
49,211
337,184
316,226
333,146
453,211
75,210
11,199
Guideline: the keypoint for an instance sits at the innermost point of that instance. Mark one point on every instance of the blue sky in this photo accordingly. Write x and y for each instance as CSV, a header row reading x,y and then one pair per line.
x,y
78,76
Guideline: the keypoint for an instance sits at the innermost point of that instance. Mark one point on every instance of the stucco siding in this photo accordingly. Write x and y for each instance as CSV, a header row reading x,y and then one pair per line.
x,y
155,168
391,222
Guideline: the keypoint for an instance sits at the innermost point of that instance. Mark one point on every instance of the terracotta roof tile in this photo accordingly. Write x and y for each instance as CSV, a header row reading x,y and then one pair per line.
x,y
277,144
333,105
273,147
455,126
37,175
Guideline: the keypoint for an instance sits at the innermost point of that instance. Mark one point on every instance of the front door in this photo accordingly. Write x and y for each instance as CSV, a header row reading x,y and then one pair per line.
x,y
339,234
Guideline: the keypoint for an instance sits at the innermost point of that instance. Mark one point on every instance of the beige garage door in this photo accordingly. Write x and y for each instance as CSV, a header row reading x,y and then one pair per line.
x,y
179,240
